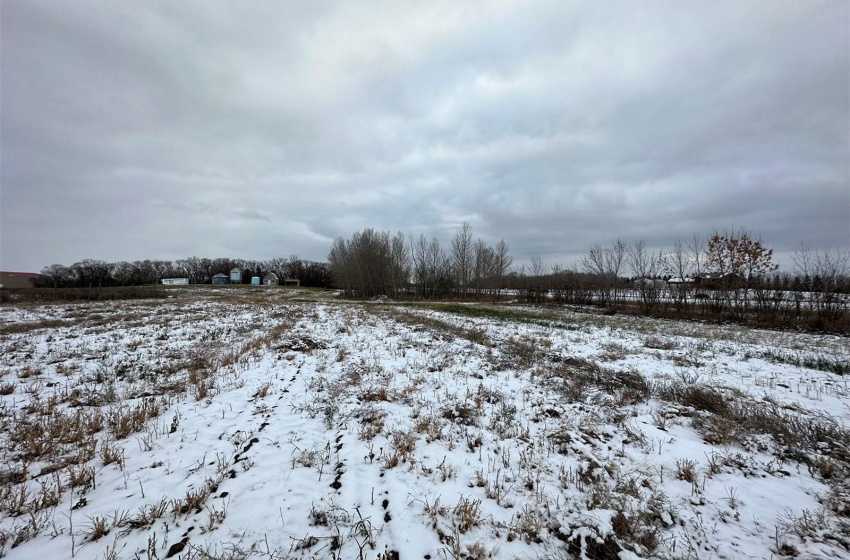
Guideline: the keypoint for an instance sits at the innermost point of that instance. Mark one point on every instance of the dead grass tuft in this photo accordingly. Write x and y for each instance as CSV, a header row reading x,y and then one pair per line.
x,y
658,343
125,419
582,380
463,413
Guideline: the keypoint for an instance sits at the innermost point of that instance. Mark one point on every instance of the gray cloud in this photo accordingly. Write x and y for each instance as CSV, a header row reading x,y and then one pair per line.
x,y
169,129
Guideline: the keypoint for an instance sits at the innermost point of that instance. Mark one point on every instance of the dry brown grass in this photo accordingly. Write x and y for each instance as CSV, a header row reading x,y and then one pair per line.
x,y
582,380
125,419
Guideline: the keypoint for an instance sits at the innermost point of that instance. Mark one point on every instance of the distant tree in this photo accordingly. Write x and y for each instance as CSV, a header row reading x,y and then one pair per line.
x,y
432,267
536,278
221,266
196,270
679,265
696,254
92,273
483,267
122,273
824,280
501,265
739,260
370,263
606,264
295,267
342,266
647,267
56,276
399,263
462,256
740,254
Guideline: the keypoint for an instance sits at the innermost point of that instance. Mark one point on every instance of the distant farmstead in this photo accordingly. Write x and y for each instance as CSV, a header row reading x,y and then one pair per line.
x,y
175,281
709,281
721,280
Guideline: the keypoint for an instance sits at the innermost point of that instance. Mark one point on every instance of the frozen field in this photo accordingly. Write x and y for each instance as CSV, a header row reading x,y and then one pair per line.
x,y
210,427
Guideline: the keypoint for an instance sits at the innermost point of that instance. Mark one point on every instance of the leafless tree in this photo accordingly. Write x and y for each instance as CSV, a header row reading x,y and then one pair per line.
x,y
696,251
92,273
399,264
607,265
536,278
680,267
122,272
502,265
462,256
57,276
825,283
646,267
482,270
432,268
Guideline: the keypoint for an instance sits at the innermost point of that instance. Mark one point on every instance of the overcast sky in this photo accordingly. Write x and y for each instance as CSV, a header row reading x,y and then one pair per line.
x,y
135,130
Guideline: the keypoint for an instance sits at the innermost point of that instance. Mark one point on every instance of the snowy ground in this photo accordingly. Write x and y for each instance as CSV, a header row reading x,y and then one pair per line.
x,y
225,427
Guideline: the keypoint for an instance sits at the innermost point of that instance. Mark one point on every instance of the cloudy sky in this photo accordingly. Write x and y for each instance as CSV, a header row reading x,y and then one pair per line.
x,y
135,130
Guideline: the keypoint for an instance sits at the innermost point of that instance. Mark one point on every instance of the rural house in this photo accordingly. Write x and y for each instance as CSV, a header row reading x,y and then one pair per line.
x,y
720,281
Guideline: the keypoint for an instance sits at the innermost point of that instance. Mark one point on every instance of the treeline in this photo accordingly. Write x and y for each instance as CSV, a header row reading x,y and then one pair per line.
x,y
91,273
724,276
373,263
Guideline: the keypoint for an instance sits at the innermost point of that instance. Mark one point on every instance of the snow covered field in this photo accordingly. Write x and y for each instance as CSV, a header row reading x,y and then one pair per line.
x,y
215,427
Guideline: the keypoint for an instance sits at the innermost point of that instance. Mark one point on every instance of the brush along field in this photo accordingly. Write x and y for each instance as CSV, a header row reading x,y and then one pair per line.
x,y
236,427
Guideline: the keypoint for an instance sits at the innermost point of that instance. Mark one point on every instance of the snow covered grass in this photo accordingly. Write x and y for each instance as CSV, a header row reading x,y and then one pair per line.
x,y
236,424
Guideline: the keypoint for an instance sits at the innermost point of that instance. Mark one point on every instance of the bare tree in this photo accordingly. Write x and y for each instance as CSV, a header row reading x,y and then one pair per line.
x,y
57,276
606,264
680,267
646,267
462,256
432,268
340,261
536,281
399,264
419,258
824,284
92,273
122,272
615,261
501,265
696,250
482,270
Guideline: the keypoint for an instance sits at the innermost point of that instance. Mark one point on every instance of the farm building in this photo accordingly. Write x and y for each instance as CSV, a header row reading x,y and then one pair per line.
x,y
175,281
270,279
220,279
292,282
17,279
236,276
255,280
649,283
721,280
